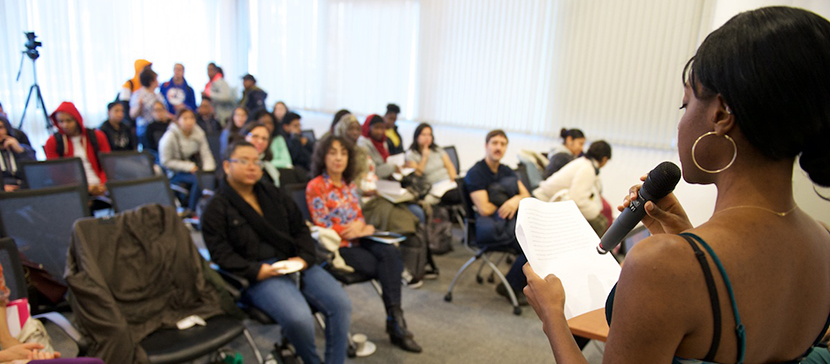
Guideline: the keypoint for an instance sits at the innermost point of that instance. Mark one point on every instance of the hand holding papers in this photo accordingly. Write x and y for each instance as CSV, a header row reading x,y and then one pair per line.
x,y
557,240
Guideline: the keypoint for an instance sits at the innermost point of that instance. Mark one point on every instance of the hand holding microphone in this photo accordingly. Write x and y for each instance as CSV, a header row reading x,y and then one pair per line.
x,y
657,184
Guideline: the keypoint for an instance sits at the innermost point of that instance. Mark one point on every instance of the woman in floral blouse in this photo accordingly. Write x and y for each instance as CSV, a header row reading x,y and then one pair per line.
x,y
334,203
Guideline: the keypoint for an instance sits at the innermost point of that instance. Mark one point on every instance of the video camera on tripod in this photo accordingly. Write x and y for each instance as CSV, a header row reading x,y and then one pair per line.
x,y
31,45
31,51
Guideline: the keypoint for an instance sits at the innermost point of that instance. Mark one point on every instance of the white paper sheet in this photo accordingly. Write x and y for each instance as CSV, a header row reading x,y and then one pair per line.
x,y
556,239
397,159
392,191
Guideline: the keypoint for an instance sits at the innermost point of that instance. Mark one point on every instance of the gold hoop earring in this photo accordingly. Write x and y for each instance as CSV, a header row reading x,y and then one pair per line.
x,y
734,155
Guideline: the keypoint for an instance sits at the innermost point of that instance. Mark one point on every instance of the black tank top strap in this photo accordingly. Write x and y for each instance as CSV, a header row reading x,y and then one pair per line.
x,y
713,297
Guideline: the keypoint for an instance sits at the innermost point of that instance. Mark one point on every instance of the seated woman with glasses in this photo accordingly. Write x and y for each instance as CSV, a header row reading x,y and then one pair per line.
x,y
258,134
254,230
334,203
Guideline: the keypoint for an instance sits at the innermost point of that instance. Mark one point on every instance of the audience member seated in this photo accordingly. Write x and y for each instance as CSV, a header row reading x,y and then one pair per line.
x,y
12,349
155,129
250,225
232,128
16,133
573,141
579,181
334,203
496,191
339,114
74,140
373,141
299,146
394,142
431,162
184,151
219,93
177,93
142,102
12,152
753,102
382,213
281,157
258,135
207,120
119,134
279,112
253,97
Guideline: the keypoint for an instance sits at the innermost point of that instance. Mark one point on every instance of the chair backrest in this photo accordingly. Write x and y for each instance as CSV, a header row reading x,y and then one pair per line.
x,y
534,175
309,134
207,180
636,235
40,221
215,147
126,165
291,176
522,172
53,173
453,157
12,269
297,193
469,213
127,195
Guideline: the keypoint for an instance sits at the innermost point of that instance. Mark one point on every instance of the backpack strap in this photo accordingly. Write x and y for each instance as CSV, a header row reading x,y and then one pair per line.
x,y
93,139
59,147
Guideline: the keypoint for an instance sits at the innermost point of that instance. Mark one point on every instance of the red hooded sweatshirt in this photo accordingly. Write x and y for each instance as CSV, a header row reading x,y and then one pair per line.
x,y
51,145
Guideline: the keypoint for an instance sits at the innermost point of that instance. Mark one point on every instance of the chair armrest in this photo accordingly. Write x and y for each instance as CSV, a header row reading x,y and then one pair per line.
x,y
233,283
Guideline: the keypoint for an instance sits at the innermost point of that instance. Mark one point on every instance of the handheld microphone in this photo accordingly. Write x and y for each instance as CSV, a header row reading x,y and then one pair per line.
x,y
659,183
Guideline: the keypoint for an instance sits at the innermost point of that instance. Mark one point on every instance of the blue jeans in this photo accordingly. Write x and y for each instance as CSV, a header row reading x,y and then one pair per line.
x,y
416,210
288,305
191,180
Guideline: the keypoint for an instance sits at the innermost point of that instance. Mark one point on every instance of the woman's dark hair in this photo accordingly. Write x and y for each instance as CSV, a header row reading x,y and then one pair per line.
x,y
147,77
598,150
233,147
573,133
247,129
184,111
322,147
770,66
420,129
275,110
231,126
337,117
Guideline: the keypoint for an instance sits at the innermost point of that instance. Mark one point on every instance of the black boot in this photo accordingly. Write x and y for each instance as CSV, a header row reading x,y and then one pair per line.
x,y
398,334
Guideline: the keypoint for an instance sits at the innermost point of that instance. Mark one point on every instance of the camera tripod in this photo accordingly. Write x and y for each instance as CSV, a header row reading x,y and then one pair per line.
x,y
35,88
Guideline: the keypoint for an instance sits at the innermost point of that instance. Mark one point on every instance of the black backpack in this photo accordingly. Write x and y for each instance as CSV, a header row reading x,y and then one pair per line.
x,y
90,134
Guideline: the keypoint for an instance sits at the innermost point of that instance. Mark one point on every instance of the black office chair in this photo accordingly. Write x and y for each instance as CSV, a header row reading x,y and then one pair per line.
x,y
480,252
15,278
53,173
215,144
127,165
127,195
40,221
167,345
309,134
521,170
453,154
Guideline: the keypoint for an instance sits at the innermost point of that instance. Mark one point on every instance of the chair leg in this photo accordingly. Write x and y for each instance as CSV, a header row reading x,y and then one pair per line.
x,y
253,346
466,265
516,309
377,287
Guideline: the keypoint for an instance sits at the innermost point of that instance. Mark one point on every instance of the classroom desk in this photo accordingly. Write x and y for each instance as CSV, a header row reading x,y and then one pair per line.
x,y
590,325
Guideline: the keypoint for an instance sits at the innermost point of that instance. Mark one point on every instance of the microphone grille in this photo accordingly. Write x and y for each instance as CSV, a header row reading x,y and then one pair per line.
x,y
661,180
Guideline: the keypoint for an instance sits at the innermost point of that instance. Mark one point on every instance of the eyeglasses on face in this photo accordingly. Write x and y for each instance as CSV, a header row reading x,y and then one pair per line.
x,y
245,162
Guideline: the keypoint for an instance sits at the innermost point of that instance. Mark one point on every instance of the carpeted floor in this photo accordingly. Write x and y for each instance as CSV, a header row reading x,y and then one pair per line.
x,y
478,326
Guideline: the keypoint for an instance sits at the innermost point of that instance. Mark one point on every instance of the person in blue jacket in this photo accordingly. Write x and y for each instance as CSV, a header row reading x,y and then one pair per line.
x,y
177,93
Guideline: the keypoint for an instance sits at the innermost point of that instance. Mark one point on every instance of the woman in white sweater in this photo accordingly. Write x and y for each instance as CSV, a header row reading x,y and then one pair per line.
x,y
579,181
184,151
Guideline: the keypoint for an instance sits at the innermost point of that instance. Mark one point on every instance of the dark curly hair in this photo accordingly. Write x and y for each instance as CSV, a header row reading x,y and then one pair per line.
x,y
322,147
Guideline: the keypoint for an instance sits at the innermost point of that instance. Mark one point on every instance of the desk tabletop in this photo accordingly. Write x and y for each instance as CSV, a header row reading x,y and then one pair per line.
x,y
591,325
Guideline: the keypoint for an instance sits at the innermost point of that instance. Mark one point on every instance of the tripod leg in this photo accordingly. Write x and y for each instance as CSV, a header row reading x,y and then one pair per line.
x,y
43,106
26,107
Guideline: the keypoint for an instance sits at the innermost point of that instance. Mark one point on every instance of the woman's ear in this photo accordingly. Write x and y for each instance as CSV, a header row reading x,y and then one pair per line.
x,y
724,118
